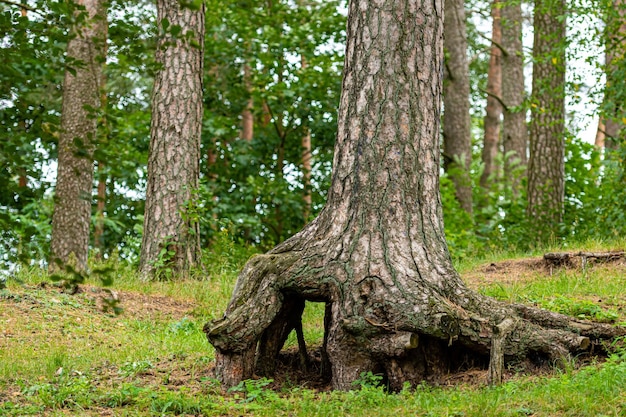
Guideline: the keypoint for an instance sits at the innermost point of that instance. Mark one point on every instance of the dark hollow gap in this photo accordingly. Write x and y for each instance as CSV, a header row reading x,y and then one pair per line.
x,y
303,362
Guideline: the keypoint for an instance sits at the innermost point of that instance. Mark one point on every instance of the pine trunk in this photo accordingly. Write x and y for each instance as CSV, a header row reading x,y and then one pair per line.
x,y
81,101
493,111
546,172
457,140
376,255
514,128
306,164
171,234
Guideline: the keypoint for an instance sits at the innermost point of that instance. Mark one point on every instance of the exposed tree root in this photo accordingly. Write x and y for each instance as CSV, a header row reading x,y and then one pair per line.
x,y
407,339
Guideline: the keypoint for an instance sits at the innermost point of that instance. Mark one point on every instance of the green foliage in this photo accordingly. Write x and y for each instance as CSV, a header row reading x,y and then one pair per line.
x,y
254,390
368,380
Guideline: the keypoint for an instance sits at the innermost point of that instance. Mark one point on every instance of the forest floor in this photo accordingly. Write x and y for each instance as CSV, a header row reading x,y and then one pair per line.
x,y
66,355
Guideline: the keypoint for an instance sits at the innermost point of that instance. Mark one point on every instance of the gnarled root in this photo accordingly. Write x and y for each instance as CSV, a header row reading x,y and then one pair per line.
x,y
406,340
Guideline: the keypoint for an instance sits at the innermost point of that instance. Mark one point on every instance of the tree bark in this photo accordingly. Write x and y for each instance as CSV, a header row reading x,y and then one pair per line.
x,y
457,140
493,111
376,255
247,118
514,128
174,155
546,171
81,101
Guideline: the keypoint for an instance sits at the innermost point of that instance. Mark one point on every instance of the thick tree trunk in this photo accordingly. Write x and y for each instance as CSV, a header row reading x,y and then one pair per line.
x,y
376,254
493,111
81,100
514,128
546,171
457,140
173,162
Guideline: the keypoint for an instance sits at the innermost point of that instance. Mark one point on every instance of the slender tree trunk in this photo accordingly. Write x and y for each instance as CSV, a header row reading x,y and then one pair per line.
x,y
493,111
81,101
514,128
600,134
306,163
98,234
457,141
247,118
376,254
546,172
173,162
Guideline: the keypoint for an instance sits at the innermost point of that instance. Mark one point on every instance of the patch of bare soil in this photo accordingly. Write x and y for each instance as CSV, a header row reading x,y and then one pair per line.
x,y
528,269
140,305
505,272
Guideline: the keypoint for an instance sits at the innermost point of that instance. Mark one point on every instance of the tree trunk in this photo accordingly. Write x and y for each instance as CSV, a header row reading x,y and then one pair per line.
x,y
306,164
457,140
514,129
376,254
546,172
81,101
600,134
98,234
493,111
171,234
247,118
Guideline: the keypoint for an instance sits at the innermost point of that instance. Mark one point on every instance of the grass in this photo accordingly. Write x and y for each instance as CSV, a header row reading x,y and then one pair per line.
x,y
61,355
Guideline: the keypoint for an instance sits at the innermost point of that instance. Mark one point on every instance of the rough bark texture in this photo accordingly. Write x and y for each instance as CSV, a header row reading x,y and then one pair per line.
x,y
376,254
173,162
546,171
81,101
457,140
514,128
493,111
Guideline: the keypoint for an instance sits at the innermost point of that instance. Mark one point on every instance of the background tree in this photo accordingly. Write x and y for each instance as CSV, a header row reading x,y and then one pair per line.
x,y
546,176
457,140
170,233
493,111
514,128
81,100
376,254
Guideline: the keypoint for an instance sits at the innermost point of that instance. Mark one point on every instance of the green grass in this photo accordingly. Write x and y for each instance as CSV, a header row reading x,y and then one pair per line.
x,y
60,355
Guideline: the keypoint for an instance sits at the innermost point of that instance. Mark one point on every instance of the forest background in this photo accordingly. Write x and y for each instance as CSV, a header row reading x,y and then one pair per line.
x,y
272,79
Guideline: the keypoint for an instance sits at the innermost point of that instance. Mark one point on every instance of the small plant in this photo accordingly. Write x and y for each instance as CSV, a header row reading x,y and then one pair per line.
x,y
135,368
163,270
254,389
184,326
368,380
